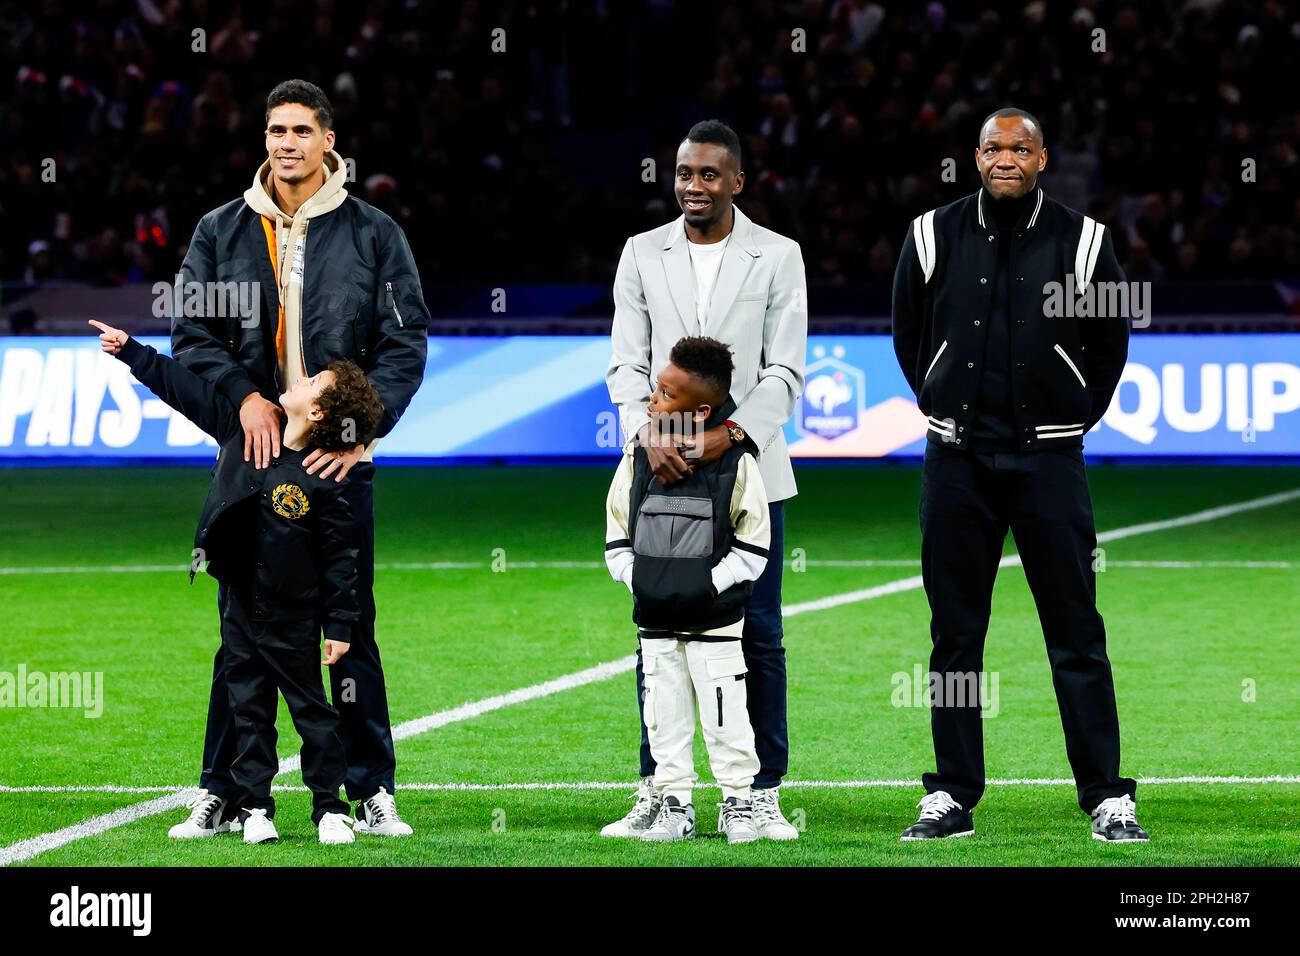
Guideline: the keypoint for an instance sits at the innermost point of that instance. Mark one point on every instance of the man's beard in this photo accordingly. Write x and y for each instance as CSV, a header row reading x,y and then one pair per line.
x,y
705,219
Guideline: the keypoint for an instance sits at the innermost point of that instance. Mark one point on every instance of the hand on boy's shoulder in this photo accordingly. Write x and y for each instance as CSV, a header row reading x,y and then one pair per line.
x,y
713,444
336,463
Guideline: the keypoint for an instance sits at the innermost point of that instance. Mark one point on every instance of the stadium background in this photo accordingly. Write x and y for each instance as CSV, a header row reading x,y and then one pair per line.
x,y
521,172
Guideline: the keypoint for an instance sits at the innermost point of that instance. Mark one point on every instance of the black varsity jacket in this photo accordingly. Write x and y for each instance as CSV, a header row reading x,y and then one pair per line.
x,y
1065,368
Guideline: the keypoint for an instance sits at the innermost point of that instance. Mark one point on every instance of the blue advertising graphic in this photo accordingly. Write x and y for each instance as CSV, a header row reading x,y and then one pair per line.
x,y
545,396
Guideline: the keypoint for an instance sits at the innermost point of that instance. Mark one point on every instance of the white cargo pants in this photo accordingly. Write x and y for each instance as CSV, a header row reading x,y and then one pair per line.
x,y
678,676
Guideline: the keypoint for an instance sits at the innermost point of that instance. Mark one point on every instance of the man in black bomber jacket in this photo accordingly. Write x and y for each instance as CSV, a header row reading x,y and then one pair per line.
x,y
332,278
1010,384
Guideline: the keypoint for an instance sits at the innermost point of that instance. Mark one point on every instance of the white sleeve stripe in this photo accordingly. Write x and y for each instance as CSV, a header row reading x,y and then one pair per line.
x,y
919,241
1097,234
927,230
1085,258
923,235
1081,251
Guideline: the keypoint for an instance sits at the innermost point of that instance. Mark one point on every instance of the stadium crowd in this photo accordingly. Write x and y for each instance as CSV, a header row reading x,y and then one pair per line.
x,y
1176,123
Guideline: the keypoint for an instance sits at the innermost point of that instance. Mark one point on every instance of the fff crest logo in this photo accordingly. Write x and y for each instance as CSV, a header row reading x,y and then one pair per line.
x,y
834,395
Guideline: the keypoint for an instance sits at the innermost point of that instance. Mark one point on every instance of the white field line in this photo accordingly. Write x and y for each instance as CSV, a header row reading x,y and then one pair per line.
x,y
631,784
34,846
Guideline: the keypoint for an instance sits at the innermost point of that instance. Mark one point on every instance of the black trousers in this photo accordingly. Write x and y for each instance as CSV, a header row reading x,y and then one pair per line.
x,y
765,659
968,501
261,658
356,681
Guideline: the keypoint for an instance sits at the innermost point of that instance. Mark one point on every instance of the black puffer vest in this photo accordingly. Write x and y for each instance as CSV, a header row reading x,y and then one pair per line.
x,y
679,533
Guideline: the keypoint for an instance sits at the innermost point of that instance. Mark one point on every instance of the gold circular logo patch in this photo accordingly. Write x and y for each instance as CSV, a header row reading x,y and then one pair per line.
x,y
289,501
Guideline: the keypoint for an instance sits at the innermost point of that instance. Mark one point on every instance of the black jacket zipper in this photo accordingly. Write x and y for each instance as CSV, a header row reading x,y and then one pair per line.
x,y
393,305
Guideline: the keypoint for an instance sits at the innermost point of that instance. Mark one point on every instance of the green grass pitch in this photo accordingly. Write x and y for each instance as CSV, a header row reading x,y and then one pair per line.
x,y
1206,659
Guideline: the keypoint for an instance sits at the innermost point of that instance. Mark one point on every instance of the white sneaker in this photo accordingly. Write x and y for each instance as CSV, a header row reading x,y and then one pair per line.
x,y
259,828
674,822
378,817
768,819
337,828
207,818
641,816
736,820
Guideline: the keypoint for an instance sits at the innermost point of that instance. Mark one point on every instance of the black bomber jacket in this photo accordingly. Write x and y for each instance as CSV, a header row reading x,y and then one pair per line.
x,y
361,300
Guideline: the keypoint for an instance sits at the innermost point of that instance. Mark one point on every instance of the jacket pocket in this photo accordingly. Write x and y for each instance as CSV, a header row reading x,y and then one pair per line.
x,y
1073,368
672,593
649,711
674,527
942,345
400,301
335,337
390,302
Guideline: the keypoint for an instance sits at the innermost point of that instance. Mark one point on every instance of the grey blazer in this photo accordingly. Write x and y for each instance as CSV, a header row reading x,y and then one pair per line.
x,y
759,308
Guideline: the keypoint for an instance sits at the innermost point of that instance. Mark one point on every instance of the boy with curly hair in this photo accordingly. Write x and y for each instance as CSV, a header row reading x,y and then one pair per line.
x,y
282,544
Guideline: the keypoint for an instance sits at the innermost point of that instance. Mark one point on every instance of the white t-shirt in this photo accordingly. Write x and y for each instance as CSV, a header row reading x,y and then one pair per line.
x,y
706,261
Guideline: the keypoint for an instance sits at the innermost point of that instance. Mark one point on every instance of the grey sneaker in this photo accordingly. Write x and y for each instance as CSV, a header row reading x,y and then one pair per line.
x,y
736,820
642,814
674,822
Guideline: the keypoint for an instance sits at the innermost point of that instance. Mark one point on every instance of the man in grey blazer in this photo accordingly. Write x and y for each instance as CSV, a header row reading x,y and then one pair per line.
x,y
713,272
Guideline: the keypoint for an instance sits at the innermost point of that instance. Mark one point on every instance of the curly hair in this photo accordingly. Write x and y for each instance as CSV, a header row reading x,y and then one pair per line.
x,y
351,409
708,360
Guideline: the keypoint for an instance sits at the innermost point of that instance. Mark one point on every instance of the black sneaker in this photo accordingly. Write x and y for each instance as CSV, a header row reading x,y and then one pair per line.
x,y
941,817
1115,821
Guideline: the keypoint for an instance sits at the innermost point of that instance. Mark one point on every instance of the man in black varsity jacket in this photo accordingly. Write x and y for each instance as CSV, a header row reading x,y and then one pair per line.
x,y
1009,390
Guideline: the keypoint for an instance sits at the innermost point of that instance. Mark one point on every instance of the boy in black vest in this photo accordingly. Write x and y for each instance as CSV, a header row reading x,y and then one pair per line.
x,y
690,553
282,543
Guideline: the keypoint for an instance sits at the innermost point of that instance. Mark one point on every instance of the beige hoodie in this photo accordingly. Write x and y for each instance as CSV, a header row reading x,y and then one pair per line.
x,y
291,246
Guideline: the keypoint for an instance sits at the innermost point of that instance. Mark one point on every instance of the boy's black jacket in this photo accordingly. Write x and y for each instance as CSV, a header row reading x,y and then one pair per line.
x,y
281,537
1064,369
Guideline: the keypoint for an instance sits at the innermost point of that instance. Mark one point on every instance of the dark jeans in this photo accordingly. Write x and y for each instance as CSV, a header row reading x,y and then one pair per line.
x,y
765,659
968,502
261,658
356,681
